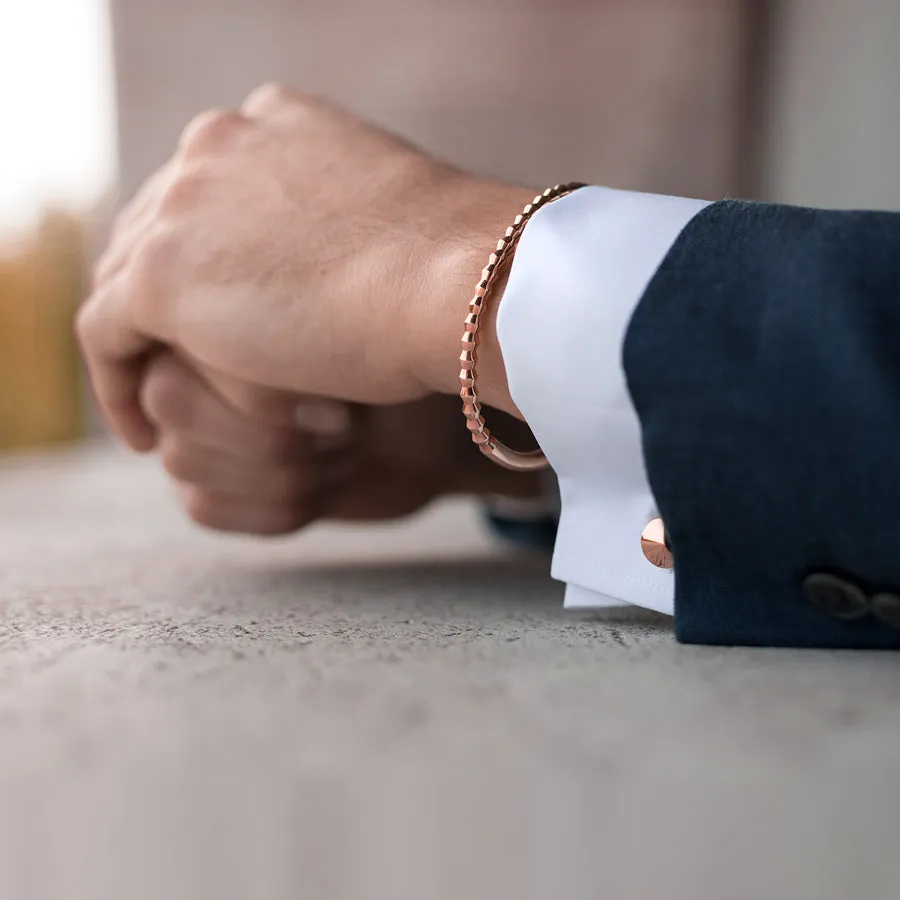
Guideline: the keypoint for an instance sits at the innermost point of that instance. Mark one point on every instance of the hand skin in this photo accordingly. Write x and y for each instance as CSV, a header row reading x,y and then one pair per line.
x,y
288,252
262,474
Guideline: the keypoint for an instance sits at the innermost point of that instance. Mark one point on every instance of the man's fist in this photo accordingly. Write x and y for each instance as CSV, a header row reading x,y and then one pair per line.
x,y
290,249
295,461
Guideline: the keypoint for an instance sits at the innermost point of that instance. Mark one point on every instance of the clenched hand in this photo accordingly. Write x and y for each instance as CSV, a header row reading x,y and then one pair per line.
x,y
289,251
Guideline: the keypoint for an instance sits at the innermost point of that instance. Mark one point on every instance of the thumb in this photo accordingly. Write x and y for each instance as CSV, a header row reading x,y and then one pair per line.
x,y
318,416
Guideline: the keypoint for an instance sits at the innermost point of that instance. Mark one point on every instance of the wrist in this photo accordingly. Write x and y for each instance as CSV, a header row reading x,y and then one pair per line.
x,y
472,230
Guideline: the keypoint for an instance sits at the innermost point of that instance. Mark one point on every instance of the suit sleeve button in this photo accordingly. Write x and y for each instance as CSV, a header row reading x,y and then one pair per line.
x,y
834,597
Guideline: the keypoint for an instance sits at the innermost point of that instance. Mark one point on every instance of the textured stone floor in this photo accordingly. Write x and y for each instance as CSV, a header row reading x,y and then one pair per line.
x,y
345,714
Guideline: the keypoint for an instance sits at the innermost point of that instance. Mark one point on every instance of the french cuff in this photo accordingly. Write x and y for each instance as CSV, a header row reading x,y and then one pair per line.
x,y
580,270
598,551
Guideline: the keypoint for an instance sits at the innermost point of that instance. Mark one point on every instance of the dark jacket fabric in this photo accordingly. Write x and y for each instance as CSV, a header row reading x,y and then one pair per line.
x,y
764,364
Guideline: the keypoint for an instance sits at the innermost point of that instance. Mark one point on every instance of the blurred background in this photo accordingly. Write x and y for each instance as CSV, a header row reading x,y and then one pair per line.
x,y
789,100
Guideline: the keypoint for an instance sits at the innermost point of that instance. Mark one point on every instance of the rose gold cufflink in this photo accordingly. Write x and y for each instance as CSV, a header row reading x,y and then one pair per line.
x,y
653,543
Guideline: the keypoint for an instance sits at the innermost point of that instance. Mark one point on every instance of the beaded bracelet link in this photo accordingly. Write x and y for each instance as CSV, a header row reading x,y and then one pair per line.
x,y
481,435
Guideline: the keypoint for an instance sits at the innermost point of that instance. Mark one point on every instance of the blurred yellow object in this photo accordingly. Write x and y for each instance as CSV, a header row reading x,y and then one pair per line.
x,y
41,283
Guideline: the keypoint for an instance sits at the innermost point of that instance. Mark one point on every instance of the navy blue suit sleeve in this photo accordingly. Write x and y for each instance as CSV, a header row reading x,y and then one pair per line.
x,y
764,364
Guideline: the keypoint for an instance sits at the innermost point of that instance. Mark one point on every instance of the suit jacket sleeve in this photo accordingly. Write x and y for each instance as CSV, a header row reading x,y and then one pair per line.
x,y
763,361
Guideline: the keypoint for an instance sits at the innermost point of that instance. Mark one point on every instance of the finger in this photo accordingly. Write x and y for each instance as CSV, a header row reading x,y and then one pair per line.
x,y
216,472
211,131
330,423
128,226
225,512
144,202
115,354
374,498
184,405
328,420
262,405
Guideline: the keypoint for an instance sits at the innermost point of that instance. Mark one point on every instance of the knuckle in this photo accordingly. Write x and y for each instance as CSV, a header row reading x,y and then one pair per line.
x,y
155,256
183,193
164,395
206,509
202,507
268,97
178,463
210,131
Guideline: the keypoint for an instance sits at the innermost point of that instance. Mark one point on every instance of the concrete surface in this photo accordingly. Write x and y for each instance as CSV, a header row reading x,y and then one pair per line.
x,y
351,713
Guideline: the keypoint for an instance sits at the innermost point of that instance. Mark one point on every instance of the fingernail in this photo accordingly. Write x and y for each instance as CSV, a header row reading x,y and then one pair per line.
x,y
323,418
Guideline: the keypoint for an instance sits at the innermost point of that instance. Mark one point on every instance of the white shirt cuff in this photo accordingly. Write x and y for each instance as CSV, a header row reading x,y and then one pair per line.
x,y
581,267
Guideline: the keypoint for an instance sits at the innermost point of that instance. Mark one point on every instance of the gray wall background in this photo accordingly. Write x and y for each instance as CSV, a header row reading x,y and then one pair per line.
x,y
834,125
669,95
641,93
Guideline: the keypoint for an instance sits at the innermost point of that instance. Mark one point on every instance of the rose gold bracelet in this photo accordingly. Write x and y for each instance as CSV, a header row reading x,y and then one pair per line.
x,y
481,435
